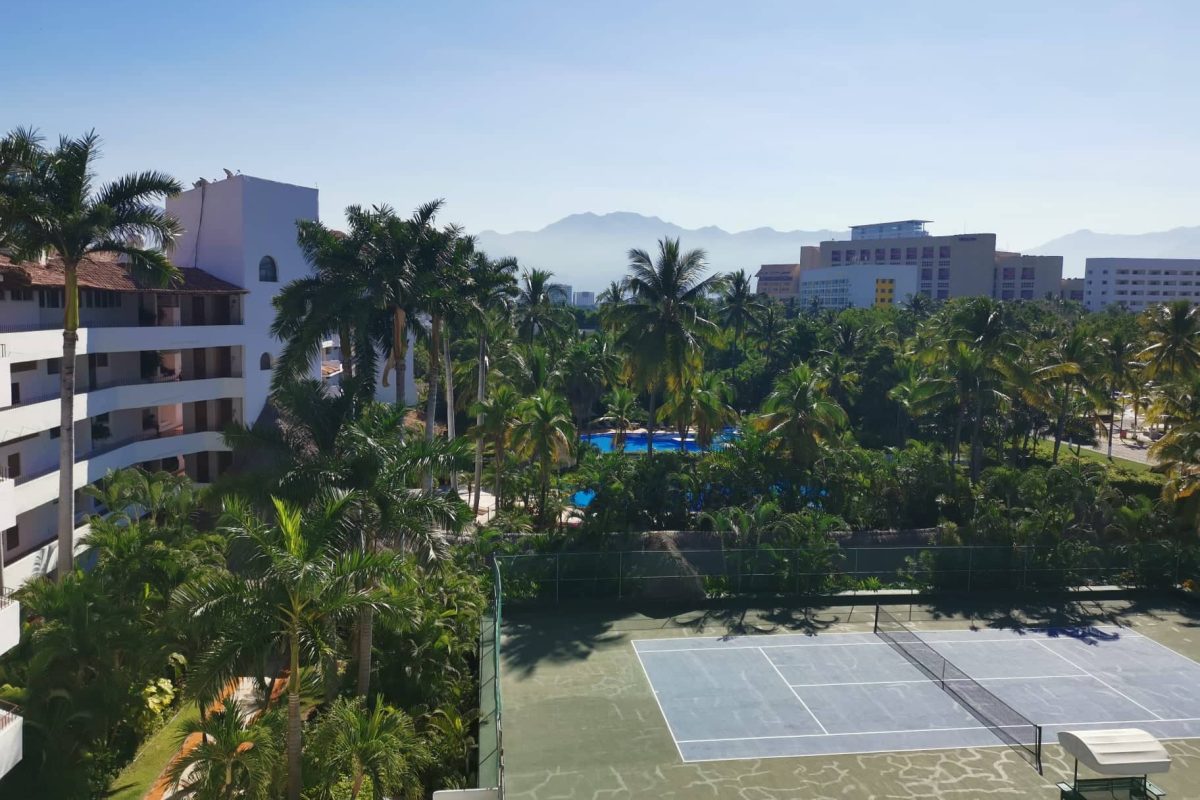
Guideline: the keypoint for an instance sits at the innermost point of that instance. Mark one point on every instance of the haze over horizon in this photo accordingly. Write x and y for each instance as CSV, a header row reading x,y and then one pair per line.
x,y
1024,119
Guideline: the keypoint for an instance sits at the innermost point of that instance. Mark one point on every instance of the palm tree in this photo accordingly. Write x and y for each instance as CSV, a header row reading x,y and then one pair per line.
x,y
584,369
1173,331
494,288
915,395
545,435
612,297
662,330
18,150
538,313
621,412
801,414
52,206
336,298
230,756
381,746
496,416
739,307
1117,353
297,581
1073,363
711,409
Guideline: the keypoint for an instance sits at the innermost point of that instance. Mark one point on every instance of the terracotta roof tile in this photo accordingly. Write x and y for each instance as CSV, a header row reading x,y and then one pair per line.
x,y
106,273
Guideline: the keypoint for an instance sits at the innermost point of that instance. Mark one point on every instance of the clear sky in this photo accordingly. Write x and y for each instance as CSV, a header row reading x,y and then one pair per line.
x,y
1030,119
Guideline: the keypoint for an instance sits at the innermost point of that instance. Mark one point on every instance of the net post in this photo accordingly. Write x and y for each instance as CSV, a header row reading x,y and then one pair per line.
x,y
1037,749
876,628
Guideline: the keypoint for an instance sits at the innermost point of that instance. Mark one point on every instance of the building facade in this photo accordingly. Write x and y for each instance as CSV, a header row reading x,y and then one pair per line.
x,y
1138,283
942,267
585,299
782,281
1071,289
159,372
837,288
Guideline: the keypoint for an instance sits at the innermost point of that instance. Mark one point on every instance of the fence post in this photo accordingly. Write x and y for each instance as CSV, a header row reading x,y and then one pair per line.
x,y
970,565
856,563
557,579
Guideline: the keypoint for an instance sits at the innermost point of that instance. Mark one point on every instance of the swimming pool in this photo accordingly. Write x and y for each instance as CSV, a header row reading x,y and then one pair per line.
x,y
663,440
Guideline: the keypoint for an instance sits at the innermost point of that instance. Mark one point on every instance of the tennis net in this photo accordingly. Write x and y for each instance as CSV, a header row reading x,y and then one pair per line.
x,y
1009,725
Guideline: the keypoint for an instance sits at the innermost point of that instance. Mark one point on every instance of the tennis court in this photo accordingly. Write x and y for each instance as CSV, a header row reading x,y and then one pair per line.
x,y
786,695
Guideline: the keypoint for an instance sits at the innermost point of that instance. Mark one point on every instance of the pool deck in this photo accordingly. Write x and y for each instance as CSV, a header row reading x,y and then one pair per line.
x,y
581,721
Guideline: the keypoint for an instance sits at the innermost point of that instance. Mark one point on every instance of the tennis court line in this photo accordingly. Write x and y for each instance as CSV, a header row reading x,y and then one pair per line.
x,y
658,703
1015,632
794,694
930,730
1101,681
1007,640
947,680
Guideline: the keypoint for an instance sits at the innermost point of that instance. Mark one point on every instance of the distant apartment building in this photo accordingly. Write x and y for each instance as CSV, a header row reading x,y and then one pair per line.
x,y
782,281
585,299
1071,289
561,293
939,267
1138,283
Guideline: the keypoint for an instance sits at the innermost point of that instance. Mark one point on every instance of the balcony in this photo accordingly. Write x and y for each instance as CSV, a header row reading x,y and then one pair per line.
x,y
40,487
10,621
10,738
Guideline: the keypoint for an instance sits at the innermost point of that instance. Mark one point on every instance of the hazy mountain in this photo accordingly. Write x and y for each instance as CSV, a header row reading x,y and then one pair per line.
x,y
589,250
1076,247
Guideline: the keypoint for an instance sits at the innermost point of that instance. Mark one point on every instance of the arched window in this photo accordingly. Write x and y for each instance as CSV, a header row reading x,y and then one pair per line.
x,y
264,362
266,270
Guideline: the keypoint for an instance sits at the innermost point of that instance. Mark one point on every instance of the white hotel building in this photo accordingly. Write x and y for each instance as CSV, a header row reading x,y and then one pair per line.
x,y
160,372
1138,283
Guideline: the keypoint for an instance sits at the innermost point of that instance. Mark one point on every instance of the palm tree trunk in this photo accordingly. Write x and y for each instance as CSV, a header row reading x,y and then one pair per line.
x,y
450,410
66,444
1112,420
293,718
431,392
357,786
650,426
977,439
499,467
366,644
480,396
400,351
1061,424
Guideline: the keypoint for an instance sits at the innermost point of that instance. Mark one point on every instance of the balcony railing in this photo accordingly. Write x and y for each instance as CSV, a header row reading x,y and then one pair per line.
x,y
107,447
8,714
6,598
112,384
131,323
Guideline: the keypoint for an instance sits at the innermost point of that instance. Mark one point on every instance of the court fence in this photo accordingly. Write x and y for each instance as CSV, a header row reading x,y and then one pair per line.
x,y
827,568
491,706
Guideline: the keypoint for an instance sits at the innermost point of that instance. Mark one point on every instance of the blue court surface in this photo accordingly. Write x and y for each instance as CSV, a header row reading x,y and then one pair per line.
x,y
795,695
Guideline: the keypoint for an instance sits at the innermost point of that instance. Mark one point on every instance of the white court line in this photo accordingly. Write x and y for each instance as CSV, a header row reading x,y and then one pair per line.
x,y
928,730
948,680
792,690
793,646
658,703
1016,632
1100,681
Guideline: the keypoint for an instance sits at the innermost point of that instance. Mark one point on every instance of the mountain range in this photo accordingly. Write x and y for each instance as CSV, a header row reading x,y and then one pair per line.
x,y
588,250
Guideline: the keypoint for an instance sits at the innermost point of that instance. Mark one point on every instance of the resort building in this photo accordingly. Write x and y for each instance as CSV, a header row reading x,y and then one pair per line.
x,y
939,267
1071,289
160,372
11,724
585,299
1137,283
782,281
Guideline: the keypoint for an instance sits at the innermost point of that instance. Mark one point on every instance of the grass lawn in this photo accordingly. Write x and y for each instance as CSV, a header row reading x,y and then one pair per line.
x,y
1045,450
138,777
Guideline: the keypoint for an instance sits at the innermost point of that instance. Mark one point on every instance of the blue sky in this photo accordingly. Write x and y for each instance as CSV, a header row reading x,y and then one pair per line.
x,y
1030,119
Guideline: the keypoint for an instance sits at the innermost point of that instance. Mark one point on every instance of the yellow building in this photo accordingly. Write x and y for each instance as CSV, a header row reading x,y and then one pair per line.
x,y
885,291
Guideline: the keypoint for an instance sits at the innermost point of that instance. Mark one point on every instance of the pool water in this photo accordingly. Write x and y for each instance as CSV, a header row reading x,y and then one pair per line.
x,y
583,498
636,442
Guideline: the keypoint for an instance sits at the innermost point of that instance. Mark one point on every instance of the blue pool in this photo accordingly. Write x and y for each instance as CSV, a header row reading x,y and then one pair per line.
x,y
636,442
582,498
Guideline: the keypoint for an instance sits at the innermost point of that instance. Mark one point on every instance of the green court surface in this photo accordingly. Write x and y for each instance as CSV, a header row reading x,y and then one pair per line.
x,y
581,720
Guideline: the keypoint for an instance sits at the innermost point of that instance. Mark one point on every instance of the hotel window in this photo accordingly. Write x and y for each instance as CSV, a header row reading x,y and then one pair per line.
x,y
835,256
267,273
21,294
12,539
1026,273
943,294
910,253
264,362
879,254
1009,273
927,274
927,252
895,254
53,365
851,256
1007,294
864,255
944,251
943,273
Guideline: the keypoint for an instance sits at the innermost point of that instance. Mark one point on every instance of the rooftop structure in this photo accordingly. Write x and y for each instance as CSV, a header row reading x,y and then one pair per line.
x,y
903,229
